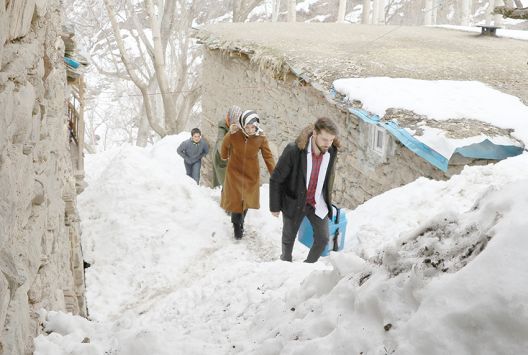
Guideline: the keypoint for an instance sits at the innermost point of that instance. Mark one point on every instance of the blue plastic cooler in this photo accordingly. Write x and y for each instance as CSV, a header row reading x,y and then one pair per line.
x,y
336,229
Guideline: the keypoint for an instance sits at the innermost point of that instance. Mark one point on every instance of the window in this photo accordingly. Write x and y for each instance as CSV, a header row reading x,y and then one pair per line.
x,y
378,140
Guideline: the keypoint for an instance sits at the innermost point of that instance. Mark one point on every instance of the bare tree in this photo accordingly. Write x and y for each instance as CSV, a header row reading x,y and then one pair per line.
x,y
275,10
465,12
160,64
341,12
292,10
375,9
428,13
508,10
141,84
365,16
381,12
242,8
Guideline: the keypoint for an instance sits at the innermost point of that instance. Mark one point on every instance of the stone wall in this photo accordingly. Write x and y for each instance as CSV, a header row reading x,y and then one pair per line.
x,y
40,258
286,105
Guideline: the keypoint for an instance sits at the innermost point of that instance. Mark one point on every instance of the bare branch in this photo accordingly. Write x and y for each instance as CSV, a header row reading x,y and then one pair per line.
x,y
126,61
509,12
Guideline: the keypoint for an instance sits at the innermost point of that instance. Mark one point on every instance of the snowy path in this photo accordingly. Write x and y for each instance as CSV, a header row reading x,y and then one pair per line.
x,y
168,278
163,253
262,248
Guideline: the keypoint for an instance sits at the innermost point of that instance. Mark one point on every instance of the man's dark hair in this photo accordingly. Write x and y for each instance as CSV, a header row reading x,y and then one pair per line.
x,y
195,130
327,124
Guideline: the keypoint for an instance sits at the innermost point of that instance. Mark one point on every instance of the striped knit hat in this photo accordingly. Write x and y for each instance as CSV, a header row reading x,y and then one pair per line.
x,y
250,117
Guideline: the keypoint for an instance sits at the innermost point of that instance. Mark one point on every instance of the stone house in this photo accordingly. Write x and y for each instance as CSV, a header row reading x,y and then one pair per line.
x,y
41,173
285,72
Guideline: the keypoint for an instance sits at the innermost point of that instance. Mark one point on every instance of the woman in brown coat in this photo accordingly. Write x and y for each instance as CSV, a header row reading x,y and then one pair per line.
x,y
242,180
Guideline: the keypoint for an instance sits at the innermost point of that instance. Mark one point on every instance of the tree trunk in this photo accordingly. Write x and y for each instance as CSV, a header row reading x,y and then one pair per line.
x,y
341,12
381,11
187,103
275,10
365,15
428,13
242,9
159,68
143,130
489,10
465,12
375,10
237,4
435,12
292,10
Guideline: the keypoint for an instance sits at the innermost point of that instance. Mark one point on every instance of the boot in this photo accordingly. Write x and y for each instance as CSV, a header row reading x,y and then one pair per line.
x,y
286,252
239,230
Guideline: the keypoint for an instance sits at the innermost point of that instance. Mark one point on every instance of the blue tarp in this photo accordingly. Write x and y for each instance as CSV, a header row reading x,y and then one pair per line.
x,y
489,150
483,150
72,63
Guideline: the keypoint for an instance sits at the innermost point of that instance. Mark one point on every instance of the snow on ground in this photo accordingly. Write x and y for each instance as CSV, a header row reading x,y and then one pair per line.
x,y
431,267
501,32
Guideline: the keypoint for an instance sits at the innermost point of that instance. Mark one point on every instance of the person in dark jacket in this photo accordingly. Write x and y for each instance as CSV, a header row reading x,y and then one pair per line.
x,y
226,125
192,151
301,185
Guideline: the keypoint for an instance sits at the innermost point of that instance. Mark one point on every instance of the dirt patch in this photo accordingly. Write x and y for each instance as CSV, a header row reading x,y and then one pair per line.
x,y
453,128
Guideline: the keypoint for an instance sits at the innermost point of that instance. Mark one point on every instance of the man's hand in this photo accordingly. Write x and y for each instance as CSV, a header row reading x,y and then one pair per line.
x,y
275,214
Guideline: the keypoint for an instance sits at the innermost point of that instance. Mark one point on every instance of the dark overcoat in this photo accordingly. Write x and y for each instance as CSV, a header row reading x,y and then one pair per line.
x,y
288,181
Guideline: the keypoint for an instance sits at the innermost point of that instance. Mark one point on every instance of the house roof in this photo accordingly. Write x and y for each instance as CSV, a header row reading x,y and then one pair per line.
x,y
495,146
323,53
440,118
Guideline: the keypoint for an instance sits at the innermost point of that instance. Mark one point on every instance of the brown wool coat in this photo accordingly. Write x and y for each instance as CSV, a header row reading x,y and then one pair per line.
x,y
242,180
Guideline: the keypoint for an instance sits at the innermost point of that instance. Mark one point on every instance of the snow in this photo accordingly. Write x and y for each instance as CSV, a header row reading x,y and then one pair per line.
x,y
441,100
354,16
167,277
318,18
501,32
304,5
446,146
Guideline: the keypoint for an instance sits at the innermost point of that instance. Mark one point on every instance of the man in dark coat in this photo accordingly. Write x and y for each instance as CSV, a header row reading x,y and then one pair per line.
x,y
192,151
301,185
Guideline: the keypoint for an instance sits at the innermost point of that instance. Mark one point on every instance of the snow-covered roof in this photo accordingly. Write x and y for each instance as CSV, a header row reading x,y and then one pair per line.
x,y
460,74
320,53
436,119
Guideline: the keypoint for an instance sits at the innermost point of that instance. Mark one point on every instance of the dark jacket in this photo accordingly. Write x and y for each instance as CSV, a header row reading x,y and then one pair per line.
x,y
192,152
288,180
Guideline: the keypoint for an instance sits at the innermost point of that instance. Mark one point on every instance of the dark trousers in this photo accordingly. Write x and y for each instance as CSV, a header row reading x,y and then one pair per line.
x,y
193,170
290,227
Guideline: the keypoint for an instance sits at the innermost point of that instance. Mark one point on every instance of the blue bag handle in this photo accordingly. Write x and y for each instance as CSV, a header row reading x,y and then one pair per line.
x,y
335,246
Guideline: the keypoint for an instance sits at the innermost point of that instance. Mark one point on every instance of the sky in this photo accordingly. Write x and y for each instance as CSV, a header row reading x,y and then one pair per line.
x,y
432,267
